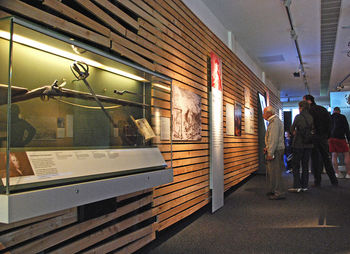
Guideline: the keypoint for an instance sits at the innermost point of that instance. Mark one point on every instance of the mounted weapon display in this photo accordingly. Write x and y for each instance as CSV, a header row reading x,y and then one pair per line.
x,y
123,92
46,92
81,72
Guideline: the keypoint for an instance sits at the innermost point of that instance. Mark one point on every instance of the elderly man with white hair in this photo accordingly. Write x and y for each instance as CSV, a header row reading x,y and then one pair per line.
x,y
274,149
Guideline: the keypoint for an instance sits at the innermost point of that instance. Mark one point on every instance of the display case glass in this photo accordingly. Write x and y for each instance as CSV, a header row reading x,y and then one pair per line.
x,y
71,113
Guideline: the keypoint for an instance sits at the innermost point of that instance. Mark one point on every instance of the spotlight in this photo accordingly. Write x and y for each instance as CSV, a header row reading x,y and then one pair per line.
x,y
339,87
296,74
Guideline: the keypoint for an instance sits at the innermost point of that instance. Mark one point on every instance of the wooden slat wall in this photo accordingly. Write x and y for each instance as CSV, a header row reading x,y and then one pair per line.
x,y
164,36
61,232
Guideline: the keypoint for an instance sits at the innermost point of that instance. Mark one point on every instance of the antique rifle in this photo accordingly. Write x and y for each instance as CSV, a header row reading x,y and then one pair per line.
x,y
47,92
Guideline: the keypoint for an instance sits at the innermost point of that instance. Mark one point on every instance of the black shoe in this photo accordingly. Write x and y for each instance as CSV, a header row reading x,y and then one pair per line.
x,y
316,185
276,197
269,193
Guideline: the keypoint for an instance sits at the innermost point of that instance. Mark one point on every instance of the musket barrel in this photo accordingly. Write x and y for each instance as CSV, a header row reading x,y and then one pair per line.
x,y
50,91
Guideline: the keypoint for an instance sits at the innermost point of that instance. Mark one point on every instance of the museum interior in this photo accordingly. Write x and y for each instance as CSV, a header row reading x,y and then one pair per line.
x,y
136,126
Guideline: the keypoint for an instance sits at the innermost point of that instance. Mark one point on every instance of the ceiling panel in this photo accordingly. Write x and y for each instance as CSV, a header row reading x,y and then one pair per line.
x,y
263,28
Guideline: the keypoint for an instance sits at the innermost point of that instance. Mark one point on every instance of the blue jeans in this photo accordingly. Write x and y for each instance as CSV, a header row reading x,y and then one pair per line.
x,y
301,155
285,160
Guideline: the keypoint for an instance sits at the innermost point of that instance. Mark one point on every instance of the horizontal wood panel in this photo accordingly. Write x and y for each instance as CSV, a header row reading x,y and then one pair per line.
x,y
77,16
33,230
56,22
182,162
234,182
102,16
177,186
101,235
184,177
158,200
182,207
131,55
175,202
122,241
190,168
239,173
14,225
240,166
118,12
77,229
166,223
137,244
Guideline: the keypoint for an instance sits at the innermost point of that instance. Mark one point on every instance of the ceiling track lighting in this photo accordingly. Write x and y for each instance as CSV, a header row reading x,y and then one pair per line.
x,y
294,37
340,85
287,3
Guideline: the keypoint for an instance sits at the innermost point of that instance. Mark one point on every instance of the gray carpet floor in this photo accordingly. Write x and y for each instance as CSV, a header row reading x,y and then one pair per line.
x,y
317,221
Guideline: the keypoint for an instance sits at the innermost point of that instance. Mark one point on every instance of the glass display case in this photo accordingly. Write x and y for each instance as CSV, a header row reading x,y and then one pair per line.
x,y
71,113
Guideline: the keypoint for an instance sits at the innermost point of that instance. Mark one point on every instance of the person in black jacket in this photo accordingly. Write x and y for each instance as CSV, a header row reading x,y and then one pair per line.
x,y
337,142
322,122
302,148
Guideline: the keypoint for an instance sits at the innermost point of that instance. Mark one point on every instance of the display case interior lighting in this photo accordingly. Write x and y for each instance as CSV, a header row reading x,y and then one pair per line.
x,y
56,51
162,86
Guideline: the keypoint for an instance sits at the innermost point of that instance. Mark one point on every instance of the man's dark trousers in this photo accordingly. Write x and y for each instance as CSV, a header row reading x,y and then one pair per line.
x,y
321,150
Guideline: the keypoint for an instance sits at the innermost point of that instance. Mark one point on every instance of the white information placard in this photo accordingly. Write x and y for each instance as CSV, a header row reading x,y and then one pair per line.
x,y
164,128
249,120
38,166
247,97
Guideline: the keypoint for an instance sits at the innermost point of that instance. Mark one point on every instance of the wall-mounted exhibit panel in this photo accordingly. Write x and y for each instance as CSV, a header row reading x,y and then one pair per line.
x,y
216,133
73,114
262,127
341,100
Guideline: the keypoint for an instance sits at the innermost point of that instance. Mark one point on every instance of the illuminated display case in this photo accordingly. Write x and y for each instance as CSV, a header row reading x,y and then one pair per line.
x,y
73,118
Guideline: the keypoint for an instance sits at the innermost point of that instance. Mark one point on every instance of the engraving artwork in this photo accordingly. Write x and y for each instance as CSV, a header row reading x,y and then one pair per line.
x,y
186,114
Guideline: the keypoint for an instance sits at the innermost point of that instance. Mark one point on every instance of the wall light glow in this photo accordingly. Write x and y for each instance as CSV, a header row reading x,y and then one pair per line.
x,y
65,54
162,86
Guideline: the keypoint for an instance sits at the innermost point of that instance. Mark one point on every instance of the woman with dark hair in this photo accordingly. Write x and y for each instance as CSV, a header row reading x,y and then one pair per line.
x,y
302,146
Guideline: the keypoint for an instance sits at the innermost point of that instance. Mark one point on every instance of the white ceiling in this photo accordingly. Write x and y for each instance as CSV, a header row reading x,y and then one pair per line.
x,y
341,62
263,29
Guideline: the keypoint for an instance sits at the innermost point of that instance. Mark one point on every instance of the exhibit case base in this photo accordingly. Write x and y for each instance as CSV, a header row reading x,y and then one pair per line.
x,y
24,205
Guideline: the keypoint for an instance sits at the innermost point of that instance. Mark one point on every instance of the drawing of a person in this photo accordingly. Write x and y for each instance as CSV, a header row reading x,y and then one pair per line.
x,y
15,166
18,165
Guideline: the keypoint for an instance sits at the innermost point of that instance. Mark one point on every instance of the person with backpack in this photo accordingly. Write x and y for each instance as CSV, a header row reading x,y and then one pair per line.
x,y
302,130
322,122
338,143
